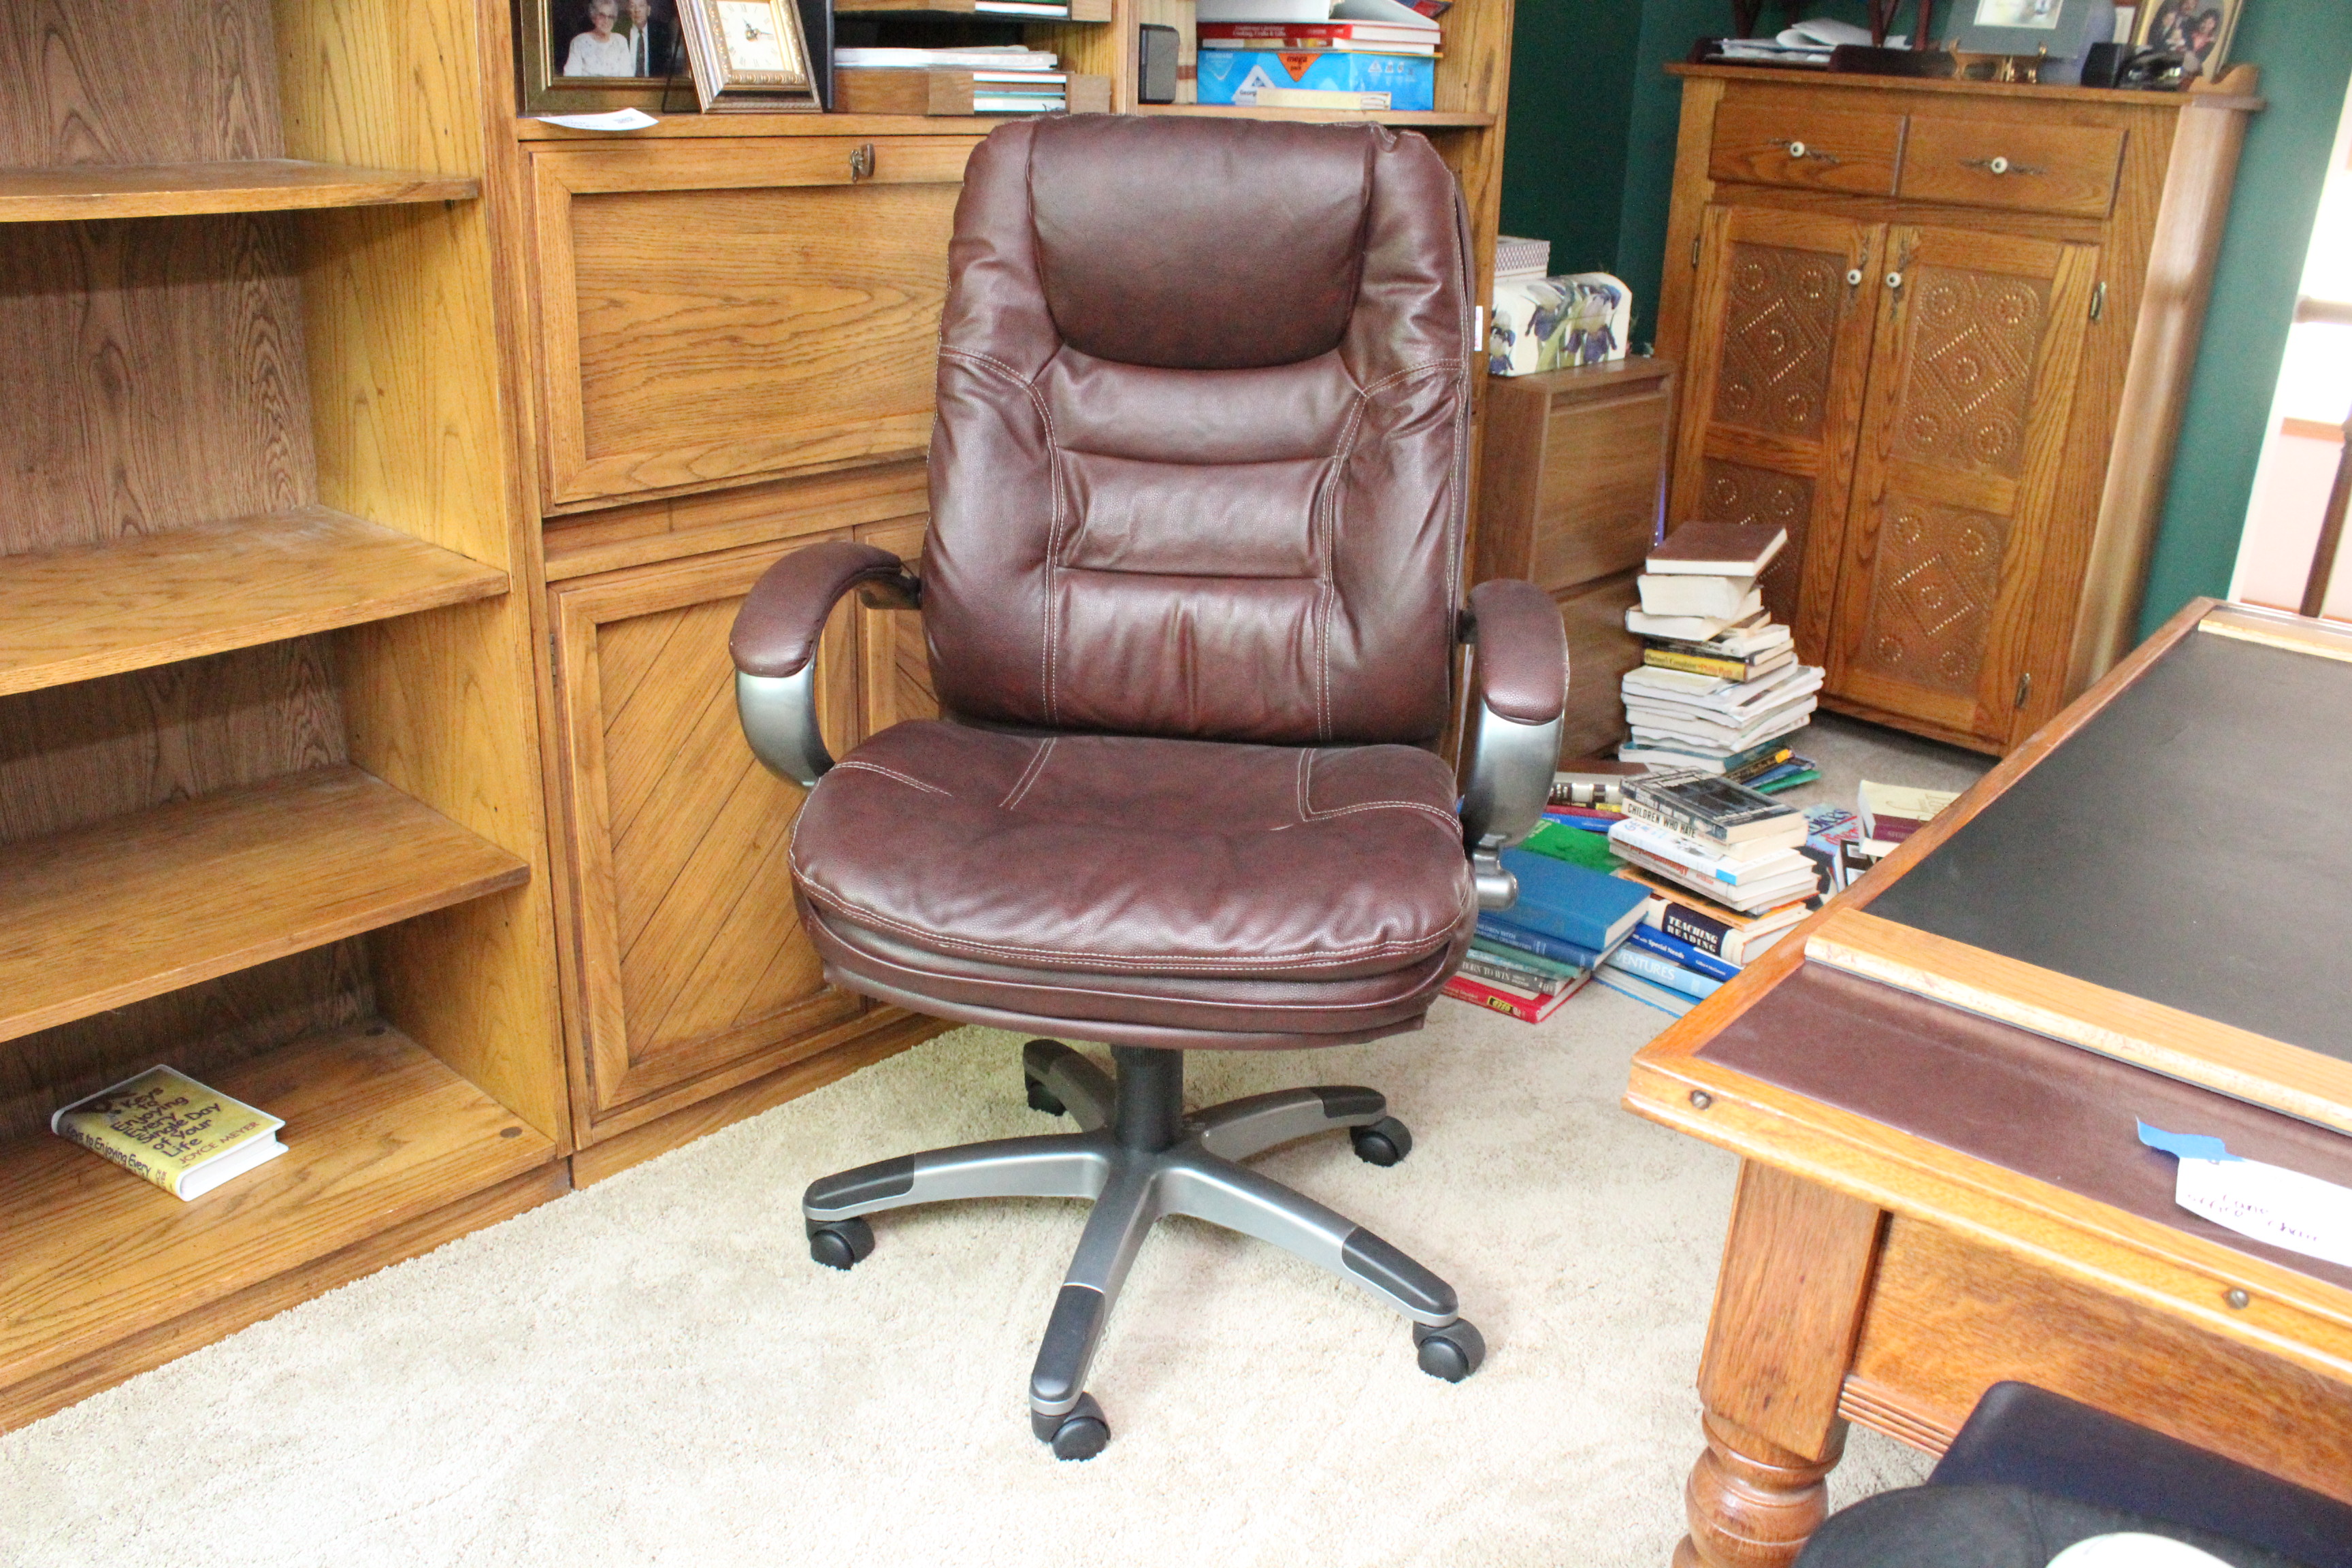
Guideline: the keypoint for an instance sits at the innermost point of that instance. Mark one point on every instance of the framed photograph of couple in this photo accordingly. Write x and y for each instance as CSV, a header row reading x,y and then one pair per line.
x,y
2198,31
667,56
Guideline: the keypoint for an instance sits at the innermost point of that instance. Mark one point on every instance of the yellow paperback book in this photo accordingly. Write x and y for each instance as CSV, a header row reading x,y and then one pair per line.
x,y
166,1126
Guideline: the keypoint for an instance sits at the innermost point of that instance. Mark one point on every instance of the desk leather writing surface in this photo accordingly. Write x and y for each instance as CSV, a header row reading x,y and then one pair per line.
x,y
2191,845
2011,1098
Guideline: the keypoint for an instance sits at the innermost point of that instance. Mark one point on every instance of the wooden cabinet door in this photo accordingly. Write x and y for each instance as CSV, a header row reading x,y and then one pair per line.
x,y
1780,348
1972,382
895,661
694,969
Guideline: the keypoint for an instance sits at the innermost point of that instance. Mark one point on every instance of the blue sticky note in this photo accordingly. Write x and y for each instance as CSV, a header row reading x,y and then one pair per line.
x,y
2185,1145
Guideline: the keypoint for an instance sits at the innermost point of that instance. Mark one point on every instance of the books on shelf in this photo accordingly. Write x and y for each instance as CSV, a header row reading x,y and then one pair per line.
x,y
992,57
1268,78
168,1127
1694,628
1388,17
1527,1009
1718,597
1733,935
1305,37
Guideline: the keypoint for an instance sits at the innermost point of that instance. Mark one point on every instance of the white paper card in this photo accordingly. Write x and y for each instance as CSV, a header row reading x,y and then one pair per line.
x,y
618,119
2269,1202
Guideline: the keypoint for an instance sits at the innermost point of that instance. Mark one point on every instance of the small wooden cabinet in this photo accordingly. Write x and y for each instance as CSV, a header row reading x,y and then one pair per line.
x,y
1571,481
1941,332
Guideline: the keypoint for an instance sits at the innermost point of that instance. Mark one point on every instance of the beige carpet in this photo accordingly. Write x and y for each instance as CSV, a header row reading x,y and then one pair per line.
x,y
652,1372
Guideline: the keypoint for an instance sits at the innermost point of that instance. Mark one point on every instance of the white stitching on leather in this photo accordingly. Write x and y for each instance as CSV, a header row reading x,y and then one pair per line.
x,y
1306,787
865,767
1047,673
1447,817
1029,775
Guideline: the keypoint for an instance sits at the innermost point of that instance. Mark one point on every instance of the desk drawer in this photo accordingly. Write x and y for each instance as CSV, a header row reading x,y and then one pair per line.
x,y
1798,145
2068,169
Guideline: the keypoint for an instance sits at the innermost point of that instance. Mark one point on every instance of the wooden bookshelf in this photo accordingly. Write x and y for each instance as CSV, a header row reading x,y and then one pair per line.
x,y
236,185
139,905
76,615
378,1133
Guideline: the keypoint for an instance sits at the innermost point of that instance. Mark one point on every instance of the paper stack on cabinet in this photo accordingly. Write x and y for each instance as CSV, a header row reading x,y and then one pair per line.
x,y
1719,688
1350,55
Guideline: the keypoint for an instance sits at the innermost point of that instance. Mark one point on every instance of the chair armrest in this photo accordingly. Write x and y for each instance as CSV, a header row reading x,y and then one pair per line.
x,y
774,646
1511,725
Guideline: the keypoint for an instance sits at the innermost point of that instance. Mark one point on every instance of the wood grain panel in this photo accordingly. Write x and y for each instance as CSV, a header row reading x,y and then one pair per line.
x,y
137,81
166,359
1600,651
168,190
641,533
141,905
895,677
377,1133
1948,1319
72,756
68,615
698,332
692,957
200,1029
1854,151
2033,168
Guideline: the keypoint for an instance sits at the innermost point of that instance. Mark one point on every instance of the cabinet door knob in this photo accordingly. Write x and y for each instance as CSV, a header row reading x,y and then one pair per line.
x,y
1853,277
1894,281
1796,149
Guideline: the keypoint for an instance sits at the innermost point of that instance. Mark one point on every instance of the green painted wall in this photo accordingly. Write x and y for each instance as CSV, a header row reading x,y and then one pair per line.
x,y
2304,48
1573,72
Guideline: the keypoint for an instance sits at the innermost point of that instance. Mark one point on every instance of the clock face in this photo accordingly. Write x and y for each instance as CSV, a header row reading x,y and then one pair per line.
x,y
2037,13
754,40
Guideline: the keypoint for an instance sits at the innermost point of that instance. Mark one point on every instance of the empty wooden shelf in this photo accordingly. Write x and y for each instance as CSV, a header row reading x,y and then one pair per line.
x,y
378,1133
73,615
242,185
141,905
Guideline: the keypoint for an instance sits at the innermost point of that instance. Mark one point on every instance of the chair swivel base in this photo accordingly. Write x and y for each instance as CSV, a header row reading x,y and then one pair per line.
x,y
1138,1158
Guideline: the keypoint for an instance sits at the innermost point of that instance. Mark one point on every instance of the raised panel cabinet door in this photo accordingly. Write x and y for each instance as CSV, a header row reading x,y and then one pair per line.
x,y
694,968
709,313
896,683
1779,349
1979,340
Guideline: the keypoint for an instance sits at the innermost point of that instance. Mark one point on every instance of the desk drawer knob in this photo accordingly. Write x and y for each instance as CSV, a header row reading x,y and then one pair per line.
x,y
1700,1099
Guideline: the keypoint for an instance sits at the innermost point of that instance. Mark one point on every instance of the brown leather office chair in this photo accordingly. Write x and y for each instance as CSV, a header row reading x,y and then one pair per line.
x,y
1192,593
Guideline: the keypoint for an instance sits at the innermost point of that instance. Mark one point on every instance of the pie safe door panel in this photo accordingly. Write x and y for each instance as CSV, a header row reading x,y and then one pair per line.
x,y
1979,339
716,313
691,958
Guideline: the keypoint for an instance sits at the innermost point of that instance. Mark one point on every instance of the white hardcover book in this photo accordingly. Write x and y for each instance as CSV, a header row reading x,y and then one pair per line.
x,y
1663,595
1662,720
1690,628
1737,864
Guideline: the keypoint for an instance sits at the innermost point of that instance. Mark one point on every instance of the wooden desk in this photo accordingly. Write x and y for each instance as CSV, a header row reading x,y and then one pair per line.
x,y
1934,1200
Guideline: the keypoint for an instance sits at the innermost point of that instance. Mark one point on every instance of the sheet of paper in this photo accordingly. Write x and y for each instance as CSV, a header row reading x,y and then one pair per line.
x,y
2269,1202
618,119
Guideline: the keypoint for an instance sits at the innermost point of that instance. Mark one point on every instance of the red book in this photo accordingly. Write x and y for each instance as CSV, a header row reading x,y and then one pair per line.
x,y
1463,988
1299,36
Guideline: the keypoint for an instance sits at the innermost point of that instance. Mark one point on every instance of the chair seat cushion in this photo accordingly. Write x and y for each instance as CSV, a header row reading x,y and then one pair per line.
x,y
1173,875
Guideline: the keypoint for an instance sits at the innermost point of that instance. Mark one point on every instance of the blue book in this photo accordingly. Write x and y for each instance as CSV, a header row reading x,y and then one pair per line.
x,y
1500,930
1675,950
1627,984
1574,904
1664,972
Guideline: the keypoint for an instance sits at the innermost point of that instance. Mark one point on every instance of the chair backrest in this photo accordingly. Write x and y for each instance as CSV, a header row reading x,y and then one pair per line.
x,y
1204,431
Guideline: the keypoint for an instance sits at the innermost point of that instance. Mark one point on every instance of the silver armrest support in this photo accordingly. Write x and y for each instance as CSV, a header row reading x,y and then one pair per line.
x,y
778,715
1508,781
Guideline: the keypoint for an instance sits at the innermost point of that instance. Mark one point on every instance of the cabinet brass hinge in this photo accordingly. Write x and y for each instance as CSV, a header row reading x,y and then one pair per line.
x,y
2024,688
2098,300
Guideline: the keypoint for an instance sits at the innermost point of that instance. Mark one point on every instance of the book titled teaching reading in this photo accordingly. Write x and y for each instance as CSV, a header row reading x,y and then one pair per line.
x,y
166,1126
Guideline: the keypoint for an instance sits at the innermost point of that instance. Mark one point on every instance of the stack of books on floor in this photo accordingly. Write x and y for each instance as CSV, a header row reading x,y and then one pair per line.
x,y
1571,915
1359,55
1724,873
1006,79
1719,688
1889,814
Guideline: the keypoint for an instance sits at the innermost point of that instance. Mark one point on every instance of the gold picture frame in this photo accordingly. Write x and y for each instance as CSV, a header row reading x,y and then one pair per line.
x,y
2200,31
749,55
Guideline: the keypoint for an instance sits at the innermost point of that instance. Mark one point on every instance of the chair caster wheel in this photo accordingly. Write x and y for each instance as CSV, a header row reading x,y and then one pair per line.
x,y
1079,1434
1452,1353
840,1243
1384,1142
1042,1099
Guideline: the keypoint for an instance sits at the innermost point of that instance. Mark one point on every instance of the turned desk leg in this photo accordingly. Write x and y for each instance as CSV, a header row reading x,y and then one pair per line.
x,y
1796,1274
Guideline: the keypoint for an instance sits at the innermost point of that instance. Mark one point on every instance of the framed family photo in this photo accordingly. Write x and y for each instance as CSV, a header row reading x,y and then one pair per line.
x,y
583,56
2198,31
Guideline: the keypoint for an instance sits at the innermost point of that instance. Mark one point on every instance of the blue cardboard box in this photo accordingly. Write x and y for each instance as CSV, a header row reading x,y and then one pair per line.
x,y
1233,76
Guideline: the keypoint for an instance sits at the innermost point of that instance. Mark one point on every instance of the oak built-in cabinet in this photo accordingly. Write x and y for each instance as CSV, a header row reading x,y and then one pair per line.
x,y
1941,332
269,784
